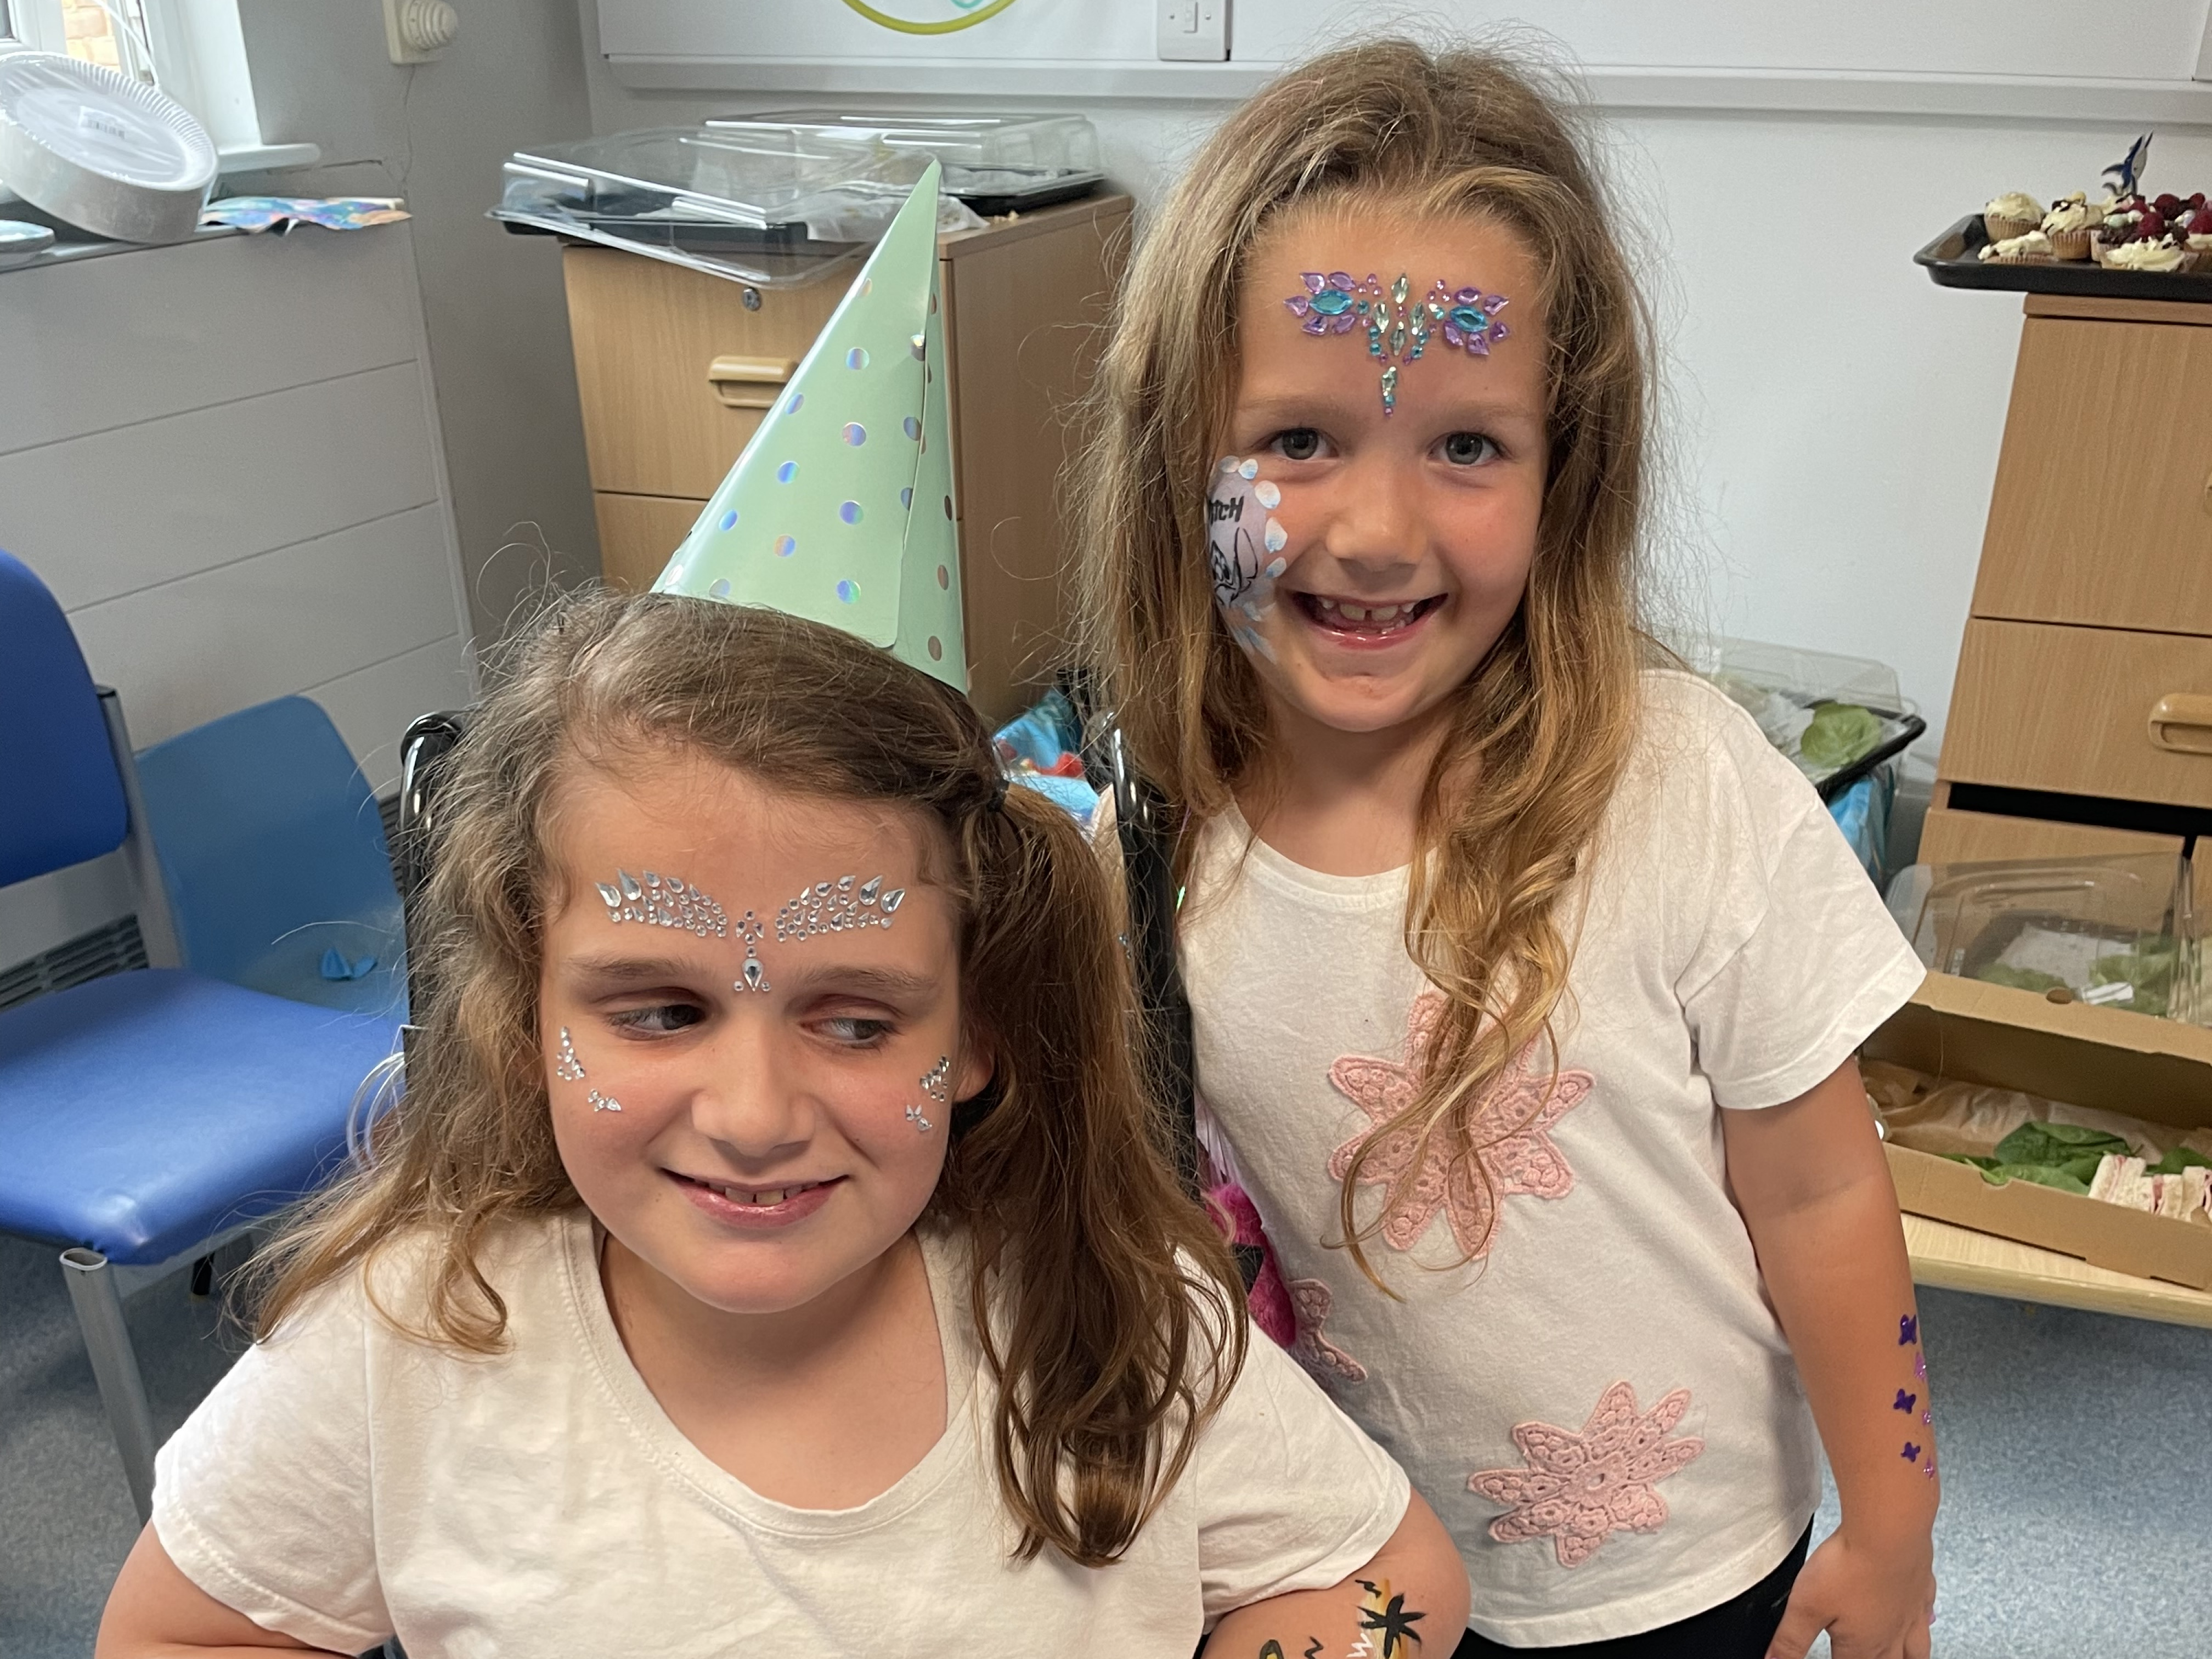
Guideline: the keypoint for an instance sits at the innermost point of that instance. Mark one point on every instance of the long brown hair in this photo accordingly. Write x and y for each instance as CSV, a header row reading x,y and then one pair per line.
x,y
1109,1309
1547,722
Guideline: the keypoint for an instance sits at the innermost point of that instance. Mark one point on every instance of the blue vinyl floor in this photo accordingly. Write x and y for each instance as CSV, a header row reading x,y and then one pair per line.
x,y
2077,1465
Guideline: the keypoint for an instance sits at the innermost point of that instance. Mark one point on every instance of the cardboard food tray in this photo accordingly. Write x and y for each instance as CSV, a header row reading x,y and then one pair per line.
x,y
1954,260
2158,1070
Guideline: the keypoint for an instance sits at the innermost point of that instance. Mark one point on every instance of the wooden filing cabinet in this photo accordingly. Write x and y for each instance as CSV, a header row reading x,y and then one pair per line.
x,y
2080,721
676,370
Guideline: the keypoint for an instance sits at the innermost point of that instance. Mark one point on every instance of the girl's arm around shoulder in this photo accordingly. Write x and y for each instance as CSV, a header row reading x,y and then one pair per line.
x,y
155,1611
1409,1599
1302,1519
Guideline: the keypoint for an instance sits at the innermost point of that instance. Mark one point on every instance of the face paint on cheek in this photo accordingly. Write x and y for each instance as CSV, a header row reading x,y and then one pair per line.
x,y
1244,543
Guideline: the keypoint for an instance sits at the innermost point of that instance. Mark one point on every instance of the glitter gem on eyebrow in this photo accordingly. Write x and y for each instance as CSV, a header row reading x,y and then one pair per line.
x,y
663,902
836,907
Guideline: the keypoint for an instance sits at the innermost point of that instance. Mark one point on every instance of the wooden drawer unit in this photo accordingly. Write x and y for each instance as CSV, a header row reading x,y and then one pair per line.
x,y
2102,510
2083,711
1950,837
676,368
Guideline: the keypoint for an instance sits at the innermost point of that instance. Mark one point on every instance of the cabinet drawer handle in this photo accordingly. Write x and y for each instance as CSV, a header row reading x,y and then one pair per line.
x,y
2182,721
749,382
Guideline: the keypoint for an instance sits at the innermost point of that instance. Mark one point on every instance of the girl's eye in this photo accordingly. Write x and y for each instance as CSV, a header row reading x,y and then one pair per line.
x,y
1469,449
852,1029
661,1017
1300,443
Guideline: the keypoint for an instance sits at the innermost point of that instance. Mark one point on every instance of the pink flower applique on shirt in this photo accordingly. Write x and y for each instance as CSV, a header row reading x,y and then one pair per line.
x,y
1577,1489
1311,1301
1511,1123
1269,1302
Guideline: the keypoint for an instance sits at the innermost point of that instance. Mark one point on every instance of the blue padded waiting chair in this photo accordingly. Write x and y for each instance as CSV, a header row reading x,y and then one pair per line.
x,y
279,879
148,1116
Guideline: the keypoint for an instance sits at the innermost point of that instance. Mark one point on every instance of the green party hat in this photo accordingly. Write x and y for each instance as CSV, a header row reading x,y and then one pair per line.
x,y
840,510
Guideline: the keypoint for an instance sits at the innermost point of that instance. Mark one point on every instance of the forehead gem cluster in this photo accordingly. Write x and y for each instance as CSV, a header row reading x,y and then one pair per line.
x,y
1398,331
756,973
837,906
663,902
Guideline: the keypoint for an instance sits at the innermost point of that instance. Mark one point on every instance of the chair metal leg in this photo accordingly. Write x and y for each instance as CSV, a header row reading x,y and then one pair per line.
x,y
99,1304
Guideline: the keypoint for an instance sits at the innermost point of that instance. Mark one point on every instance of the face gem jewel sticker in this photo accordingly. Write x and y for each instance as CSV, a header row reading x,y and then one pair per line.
x,y
937,1082
603,1103
754,971
1908,1330
1398,327
836,908
1920,1366
663,903
1239,524
922,1124
567,1068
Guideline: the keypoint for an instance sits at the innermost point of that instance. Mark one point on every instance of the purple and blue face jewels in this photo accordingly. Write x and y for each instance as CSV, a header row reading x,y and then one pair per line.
x,y
1398,332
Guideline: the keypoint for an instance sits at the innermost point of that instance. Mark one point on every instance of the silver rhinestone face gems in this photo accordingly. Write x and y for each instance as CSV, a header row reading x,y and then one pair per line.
x,y
663,902
603,1103
937,1083
756,972
837,906
567,1068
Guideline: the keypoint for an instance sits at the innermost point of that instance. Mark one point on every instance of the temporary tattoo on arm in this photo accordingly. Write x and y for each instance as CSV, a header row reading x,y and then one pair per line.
x,y
1908,1335
663,902
567,1068
1383,1611
837,906
1398,332
1271,1649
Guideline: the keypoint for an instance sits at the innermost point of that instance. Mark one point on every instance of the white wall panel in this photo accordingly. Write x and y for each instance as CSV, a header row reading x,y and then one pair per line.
x,y
93,343
108,513
220,639
372,706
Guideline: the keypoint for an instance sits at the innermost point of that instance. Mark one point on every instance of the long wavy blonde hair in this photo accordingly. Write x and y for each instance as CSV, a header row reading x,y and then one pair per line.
x,y
1109,1311
1547,722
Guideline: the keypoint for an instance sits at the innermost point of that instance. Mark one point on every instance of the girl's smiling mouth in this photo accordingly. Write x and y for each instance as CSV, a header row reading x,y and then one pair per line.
x,y
739,1204
1364,622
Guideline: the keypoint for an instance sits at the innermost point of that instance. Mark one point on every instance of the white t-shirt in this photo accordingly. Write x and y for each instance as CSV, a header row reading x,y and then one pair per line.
x,y
343,1483
1601,1407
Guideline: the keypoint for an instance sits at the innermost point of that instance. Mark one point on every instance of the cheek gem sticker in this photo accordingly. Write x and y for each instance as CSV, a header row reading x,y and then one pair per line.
x,y
922,1125
603,1103
1238,526
567,1068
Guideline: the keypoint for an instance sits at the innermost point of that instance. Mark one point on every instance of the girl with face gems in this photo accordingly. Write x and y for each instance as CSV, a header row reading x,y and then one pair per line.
x,y
1526,977
770,1251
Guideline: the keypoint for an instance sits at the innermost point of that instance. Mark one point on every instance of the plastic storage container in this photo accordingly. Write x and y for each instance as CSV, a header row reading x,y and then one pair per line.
x,y
2120,931
775,207
994,163
1839,718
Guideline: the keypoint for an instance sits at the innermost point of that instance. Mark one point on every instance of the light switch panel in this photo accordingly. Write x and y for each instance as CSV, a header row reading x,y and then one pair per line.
x,y
1193,31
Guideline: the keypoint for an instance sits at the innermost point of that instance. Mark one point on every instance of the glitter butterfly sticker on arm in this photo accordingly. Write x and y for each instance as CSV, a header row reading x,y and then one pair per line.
x,y
1399,331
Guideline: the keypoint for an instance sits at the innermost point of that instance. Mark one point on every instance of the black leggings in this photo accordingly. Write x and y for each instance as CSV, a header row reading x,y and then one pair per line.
x,y
1737,1629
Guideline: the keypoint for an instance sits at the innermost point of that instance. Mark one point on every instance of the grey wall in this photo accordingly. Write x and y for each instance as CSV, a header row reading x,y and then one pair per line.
x,y
436,133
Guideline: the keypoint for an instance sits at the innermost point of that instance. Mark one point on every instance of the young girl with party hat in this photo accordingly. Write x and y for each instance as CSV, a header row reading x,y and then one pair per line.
x,y
769,1252
1526,977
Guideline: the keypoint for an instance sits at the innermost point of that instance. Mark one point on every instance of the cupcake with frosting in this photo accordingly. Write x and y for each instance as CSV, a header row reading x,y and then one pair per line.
x,y
2015,213
2159,254
2069,225
2195,233
2030,247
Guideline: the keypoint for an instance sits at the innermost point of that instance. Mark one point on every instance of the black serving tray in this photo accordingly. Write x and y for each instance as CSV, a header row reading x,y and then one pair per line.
x,y
1954,260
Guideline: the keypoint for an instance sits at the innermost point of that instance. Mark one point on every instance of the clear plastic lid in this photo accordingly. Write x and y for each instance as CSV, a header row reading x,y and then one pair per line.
x,y
1064,143
2120,930
1828,714
774,207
